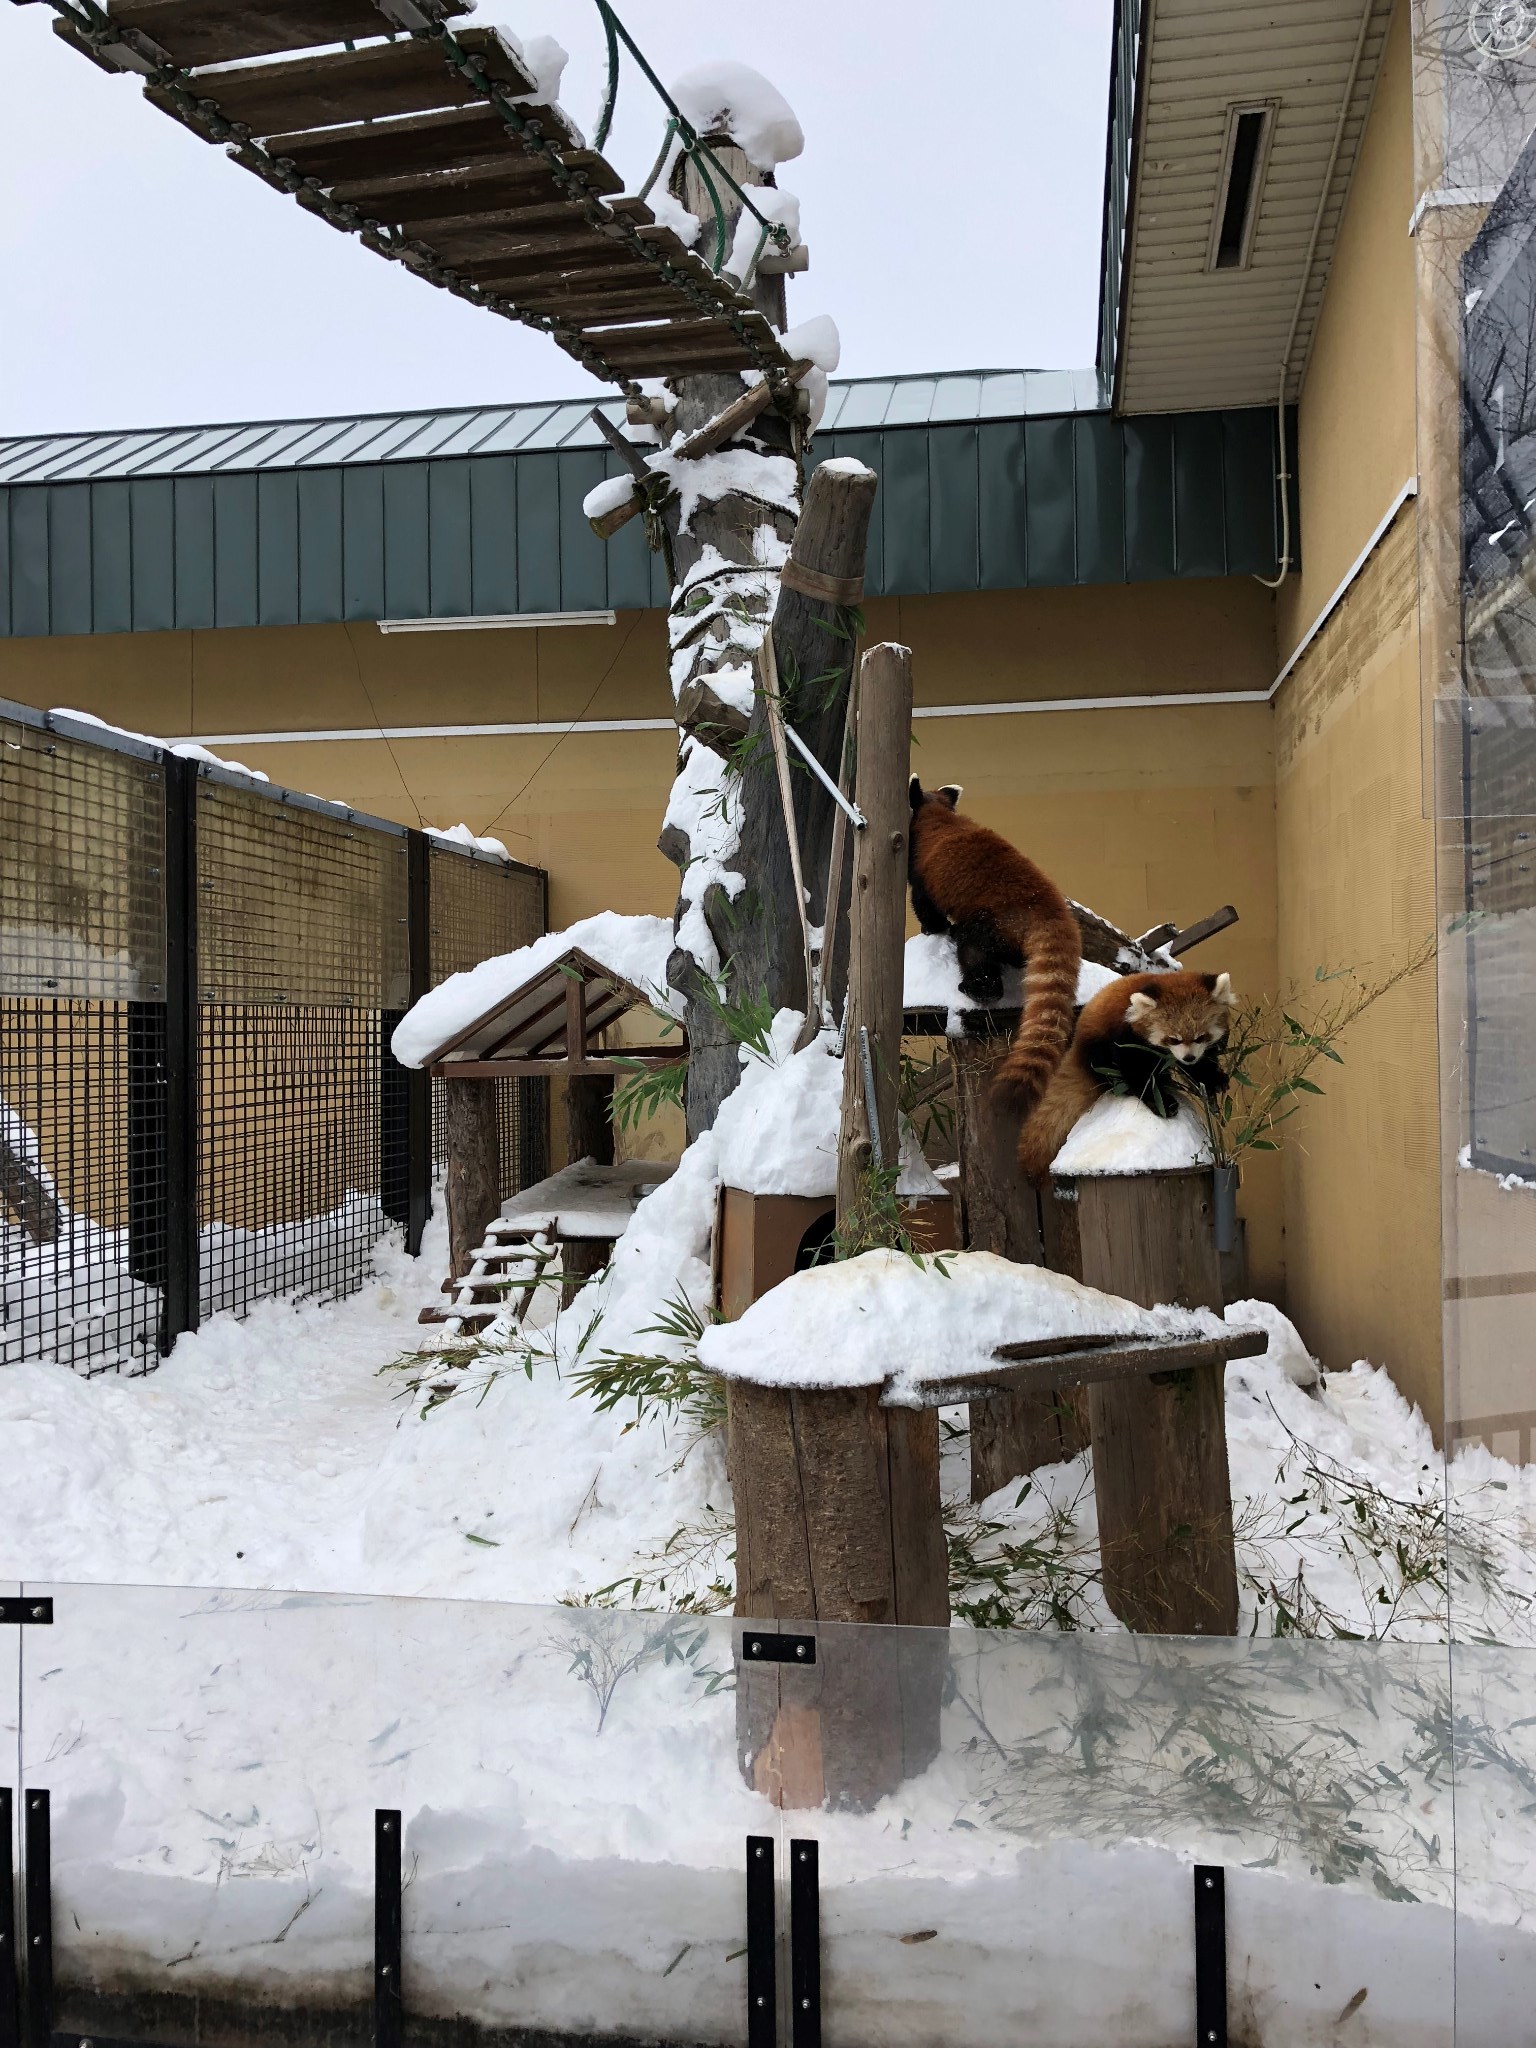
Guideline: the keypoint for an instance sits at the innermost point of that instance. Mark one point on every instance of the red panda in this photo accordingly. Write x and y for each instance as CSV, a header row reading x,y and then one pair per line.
x,y
1182,1015
1002,912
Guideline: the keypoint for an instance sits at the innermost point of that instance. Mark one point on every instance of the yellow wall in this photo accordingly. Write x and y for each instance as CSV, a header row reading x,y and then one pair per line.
x,y
1154,814
1357,416
1354,852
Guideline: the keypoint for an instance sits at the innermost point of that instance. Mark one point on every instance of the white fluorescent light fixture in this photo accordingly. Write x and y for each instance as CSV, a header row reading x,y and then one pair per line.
x,y
494,622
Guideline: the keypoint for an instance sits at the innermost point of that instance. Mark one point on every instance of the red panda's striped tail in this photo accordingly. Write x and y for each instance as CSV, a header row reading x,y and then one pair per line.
x,y
1052,954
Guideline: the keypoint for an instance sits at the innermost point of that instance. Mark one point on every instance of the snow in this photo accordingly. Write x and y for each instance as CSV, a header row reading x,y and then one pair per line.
x,y
1121,1135
585,1199
777,1133
705,805
931,979
726,98
184,750
1286,1349
460,835
818,341
1507,1181
544,60
634,948
608,496
782,208
886,1319
730,471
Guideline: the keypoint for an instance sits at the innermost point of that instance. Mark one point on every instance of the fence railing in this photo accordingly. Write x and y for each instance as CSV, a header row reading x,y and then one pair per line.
x,y
199,976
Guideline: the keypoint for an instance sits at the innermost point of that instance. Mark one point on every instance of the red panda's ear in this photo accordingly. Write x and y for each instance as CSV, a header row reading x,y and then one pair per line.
x,y
1221,990
951,793
1140,1005
915,793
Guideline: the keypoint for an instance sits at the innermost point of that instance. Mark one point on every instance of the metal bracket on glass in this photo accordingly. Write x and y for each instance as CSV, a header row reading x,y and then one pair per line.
x,y
37,1889
759,1646
23,1612
762,2018
388,1994
804,1945
1210,1956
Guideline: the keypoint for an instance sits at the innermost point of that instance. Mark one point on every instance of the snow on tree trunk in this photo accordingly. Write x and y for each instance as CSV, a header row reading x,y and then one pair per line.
x,y
730,523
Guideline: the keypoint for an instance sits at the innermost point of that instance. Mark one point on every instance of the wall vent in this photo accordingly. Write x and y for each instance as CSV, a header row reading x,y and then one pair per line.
x,y
1245,152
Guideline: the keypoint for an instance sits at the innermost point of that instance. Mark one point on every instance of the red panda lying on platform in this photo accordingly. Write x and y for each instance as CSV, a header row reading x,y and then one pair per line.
x,y
1130,1028
1001,912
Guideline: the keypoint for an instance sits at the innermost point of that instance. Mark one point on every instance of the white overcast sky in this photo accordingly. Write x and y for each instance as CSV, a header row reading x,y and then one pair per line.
x,y
951,188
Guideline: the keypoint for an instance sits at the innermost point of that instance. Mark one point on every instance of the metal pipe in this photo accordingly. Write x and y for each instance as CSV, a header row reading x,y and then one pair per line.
x,y
854,815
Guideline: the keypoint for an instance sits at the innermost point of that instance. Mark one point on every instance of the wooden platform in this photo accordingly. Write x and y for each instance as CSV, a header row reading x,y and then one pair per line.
x,y
561,1228
434,148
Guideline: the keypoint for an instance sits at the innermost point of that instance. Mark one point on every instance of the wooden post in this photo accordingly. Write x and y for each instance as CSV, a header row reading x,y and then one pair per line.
x,y
1159,1444
472,1183
838,1519
589,1118
838,1516
1011,1434
878,923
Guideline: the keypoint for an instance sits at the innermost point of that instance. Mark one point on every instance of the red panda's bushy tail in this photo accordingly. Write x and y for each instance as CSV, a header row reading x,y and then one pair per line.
x,y
1052,954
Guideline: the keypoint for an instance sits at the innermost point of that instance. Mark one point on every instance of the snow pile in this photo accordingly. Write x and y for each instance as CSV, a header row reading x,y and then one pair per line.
x,y
1121,1135
727,98
931,981
705,806
818,342
781,208
718,617
543,59
608,496
634,948
1286,1349
460,835
777,1134
887,1319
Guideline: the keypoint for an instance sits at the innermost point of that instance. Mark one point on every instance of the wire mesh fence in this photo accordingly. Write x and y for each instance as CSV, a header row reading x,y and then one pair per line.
x,y
198,982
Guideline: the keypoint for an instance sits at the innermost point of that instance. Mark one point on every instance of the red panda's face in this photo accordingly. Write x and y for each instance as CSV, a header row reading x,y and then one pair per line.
x,y
1184,1015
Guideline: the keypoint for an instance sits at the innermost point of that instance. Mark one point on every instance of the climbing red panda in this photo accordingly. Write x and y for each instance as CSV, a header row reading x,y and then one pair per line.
x,y
1128,1027
1001,911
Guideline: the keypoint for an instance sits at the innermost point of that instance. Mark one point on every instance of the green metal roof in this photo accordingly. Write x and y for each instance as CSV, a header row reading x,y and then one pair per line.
x,y
443,515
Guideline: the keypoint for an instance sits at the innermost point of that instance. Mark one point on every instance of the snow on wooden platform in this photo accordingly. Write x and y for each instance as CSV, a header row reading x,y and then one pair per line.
x,y
586,1200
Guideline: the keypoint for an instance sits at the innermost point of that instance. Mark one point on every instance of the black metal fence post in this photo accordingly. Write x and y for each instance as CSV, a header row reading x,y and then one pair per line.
x,y
10,1982
181,1299
762,1999
1210,1956
405,1094
37,1851
388,1992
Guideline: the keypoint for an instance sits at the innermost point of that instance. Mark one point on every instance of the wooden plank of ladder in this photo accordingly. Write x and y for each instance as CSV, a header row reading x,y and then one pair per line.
x,y
335,86
197,32
422,142
421,194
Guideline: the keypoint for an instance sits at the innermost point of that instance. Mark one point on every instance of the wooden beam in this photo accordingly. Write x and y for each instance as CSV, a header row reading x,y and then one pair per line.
x,y
414,194
1204,928
1100,1362
513,1068
423,142
740,413
575,1024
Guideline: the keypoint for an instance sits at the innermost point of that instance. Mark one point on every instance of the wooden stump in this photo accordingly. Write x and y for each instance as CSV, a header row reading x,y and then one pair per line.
x,y
838,1520
1011,1434
1159,1444
472,1182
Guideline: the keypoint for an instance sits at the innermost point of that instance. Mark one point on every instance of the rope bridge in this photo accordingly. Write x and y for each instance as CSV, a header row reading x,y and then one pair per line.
x,y
432,144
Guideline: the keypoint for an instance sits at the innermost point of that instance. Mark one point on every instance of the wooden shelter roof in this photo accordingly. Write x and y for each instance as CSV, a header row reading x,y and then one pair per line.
x,y
551,1024
430,143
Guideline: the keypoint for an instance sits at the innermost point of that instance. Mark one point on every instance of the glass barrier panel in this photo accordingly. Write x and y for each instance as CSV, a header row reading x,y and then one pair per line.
x,y
1494,1692
574,1822
1007,1830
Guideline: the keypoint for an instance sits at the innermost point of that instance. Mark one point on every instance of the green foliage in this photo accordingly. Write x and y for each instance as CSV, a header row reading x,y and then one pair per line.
x,y
671,1384
1271,1051
690,1574
1042,1581
925,1094
649,1090
747,1020
606,1648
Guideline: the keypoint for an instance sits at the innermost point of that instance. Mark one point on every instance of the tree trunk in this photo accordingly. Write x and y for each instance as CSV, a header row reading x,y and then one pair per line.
x,y
472,1182
1011,1434
1159,1444
877,924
